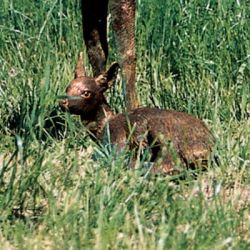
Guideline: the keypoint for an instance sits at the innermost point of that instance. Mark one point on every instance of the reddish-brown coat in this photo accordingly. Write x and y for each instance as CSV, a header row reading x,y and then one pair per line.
x,y
172,136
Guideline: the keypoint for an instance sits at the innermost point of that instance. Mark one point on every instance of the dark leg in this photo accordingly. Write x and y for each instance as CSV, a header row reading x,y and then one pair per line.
x,y
123,22
164,155
94,17
163,162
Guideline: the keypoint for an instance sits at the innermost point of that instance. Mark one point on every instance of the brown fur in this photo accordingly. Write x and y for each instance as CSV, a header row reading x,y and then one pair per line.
x,y
94,16
173,136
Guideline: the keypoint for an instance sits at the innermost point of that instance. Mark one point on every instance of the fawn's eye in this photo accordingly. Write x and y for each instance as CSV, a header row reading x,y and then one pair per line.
x,y
86,94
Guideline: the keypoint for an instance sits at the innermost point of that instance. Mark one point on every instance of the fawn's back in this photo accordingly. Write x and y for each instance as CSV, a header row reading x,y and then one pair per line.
x,y
152,126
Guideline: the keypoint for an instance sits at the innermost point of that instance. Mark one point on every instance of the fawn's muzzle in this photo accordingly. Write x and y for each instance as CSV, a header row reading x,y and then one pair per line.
x,y
64,104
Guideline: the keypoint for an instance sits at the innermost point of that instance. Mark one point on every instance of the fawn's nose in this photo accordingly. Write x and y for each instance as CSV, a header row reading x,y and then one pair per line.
x,y
64,104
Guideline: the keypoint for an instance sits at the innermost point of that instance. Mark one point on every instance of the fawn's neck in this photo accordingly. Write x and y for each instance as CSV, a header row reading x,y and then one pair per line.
x,y
96,124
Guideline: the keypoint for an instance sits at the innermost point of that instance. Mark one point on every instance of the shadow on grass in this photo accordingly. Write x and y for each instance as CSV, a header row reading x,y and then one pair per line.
x,y
53,124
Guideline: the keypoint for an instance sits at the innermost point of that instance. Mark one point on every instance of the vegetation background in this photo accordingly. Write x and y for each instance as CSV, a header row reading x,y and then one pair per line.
x,y
58,190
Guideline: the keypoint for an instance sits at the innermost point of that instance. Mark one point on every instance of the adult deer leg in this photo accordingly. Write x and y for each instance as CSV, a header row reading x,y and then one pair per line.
x,y
123,22
94,17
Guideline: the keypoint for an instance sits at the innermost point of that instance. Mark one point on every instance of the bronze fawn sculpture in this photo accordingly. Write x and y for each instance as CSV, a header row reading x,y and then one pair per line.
x,y
94,17
172,136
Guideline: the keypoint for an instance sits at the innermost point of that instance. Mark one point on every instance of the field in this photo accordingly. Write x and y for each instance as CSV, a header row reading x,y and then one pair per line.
x,y
59,190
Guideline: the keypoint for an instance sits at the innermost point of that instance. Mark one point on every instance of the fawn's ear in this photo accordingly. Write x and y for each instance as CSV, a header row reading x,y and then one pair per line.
x,y
112,73
80,70
106,79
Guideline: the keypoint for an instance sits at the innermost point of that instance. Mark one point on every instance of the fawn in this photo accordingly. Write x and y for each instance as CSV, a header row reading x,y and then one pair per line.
x,y
172,136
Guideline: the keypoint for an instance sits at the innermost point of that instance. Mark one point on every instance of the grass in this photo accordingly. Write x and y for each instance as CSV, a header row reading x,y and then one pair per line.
x,y
58,190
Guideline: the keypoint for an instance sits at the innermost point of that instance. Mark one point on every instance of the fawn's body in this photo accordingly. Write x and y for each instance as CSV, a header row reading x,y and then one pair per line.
x,y
172,136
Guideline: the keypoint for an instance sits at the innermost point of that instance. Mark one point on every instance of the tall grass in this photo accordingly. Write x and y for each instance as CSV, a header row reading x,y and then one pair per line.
x,y
59,190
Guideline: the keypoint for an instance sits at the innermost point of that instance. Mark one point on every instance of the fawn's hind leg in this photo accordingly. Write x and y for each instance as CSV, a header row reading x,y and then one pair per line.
x,y
164,156
163,160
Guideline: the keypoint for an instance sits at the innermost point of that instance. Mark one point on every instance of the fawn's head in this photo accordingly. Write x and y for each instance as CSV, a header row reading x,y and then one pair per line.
x,y
86,94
